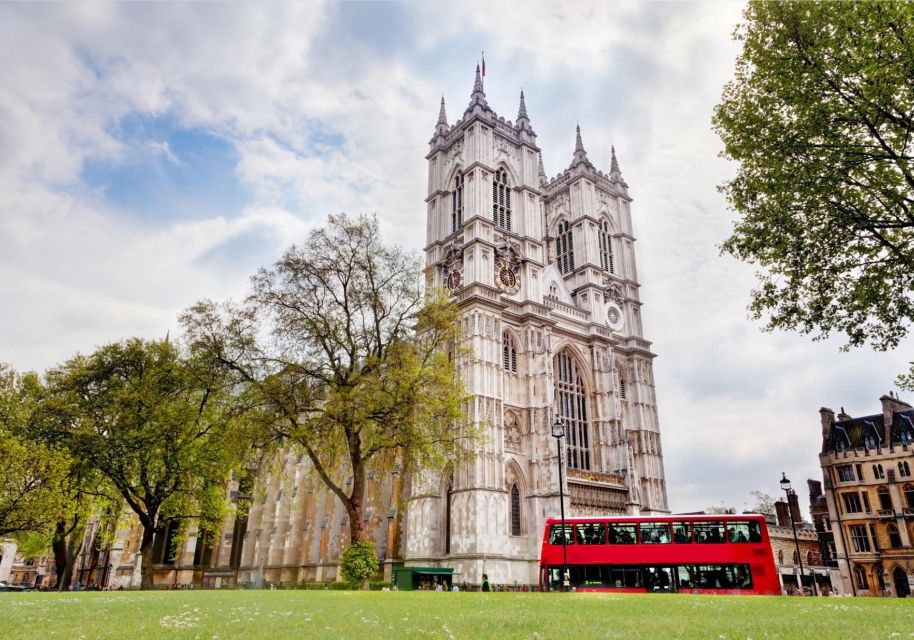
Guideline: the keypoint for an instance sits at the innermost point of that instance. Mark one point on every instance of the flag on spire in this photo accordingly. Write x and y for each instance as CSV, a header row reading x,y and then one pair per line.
x,y
483,64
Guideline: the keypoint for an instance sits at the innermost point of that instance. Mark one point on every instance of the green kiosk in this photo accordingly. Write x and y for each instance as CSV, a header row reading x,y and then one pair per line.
x,y
422,578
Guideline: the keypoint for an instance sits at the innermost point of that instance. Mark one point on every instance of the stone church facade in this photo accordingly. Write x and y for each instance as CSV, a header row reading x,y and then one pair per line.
x,y
544,272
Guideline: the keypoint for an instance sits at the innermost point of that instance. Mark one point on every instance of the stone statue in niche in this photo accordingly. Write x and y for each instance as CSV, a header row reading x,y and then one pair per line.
x,y
513,432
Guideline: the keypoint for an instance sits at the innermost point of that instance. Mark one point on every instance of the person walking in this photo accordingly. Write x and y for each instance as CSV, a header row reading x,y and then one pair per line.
x,y
485,583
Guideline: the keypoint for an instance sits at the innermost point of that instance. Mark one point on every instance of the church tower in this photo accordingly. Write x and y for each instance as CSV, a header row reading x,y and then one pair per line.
x,y
544,274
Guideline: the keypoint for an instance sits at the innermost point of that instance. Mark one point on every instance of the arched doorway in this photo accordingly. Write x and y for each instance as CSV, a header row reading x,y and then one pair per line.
x,y
902,588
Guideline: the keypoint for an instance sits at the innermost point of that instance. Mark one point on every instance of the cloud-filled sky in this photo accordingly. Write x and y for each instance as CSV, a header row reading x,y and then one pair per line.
x,y
155,154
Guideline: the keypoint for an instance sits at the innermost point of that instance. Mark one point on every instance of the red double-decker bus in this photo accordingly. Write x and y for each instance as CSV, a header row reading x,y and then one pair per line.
x,y
690,554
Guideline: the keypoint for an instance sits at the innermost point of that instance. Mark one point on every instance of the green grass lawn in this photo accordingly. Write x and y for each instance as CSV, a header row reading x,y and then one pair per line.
x,y
210,615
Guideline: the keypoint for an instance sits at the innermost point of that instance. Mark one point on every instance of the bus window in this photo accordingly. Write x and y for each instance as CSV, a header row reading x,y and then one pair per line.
x,y
623,534
715,576
591,533
658,578
744,532
709,532
655,533
555,534
682,533
625,577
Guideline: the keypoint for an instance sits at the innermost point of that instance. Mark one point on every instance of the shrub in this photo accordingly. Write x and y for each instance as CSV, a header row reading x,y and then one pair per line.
x,y
358,562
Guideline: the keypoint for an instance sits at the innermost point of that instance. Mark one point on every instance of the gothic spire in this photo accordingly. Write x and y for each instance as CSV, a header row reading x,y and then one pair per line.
x,y
614,172
442,114
479,96
441,128
580,155
522,110
542,171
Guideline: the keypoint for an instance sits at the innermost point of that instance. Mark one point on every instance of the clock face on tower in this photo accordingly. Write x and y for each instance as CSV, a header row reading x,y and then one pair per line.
x,y
454,280
505,277
613,316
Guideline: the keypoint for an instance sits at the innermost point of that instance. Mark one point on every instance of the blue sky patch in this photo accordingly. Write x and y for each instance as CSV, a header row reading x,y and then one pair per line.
x,y
171,172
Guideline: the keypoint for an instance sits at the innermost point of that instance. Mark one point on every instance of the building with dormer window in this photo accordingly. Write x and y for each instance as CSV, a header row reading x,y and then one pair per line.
x,y
869,490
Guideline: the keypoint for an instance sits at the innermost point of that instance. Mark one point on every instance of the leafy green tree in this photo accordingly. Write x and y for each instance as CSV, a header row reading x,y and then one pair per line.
x,y
349,357
819,117
163,428
358,562
31,474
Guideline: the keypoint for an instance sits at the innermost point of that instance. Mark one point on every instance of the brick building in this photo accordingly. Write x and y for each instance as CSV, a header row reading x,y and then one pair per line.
x,y
869,494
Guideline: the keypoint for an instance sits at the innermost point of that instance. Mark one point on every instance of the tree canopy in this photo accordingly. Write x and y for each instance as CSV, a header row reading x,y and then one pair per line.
x,y
32,475
162,427
350,358
819,117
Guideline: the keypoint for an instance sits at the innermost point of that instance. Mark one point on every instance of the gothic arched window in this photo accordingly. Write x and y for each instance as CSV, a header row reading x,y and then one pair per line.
x,y
515,510
564,248
878,472
447,519
909,495
904,469
457,204
606,248
622,387
571,402
894,537
501,200
509,353
780,556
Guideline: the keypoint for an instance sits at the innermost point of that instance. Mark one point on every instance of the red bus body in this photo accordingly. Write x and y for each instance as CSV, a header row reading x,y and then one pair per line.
x,y
728,554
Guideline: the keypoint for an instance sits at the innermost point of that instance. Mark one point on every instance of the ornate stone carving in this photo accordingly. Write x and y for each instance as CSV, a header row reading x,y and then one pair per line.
x,y
507,265
513,432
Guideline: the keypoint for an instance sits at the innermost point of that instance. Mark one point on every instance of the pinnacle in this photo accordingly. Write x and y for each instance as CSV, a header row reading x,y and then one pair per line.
x,y
580,155
522,110
614,170
542,170
442,114
479,96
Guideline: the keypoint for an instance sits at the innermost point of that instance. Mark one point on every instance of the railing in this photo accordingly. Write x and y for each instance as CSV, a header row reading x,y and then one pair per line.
x,y
886,513
908,512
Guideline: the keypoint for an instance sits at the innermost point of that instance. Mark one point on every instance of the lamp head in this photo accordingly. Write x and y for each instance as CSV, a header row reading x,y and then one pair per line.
x,y
785,483
558,428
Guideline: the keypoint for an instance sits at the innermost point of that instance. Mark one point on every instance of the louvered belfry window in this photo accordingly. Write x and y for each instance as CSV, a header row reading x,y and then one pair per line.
x,y
501,200
564,248
571,403
606,248
457,204
509,354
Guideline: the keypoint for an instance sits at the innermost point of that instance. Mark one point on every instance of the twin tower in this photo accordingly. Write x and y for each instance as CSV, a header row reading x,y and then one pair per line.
x,y
544,272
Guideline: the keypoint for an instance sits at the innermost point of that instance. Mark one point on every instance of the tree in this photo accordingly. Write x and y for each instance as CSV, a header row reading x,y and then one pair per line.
x,y
348,356
764,503
358,562
31,474
163,428
820,117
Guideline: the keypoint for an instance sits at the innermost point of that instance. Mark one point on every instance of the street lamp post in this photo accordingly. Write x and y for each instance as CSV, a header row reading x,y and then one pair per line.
x,y
785,485
558,432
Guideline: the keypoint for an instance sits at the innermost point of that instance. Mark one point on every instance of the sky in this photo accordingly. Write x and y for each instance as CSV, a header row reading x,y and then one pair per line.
x,y
152,155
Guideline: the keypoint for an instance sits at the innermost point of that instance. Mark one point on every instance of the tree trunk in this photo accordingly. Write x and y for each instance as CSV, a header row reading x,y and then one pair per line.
x,y
146,556
354,505
59,546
